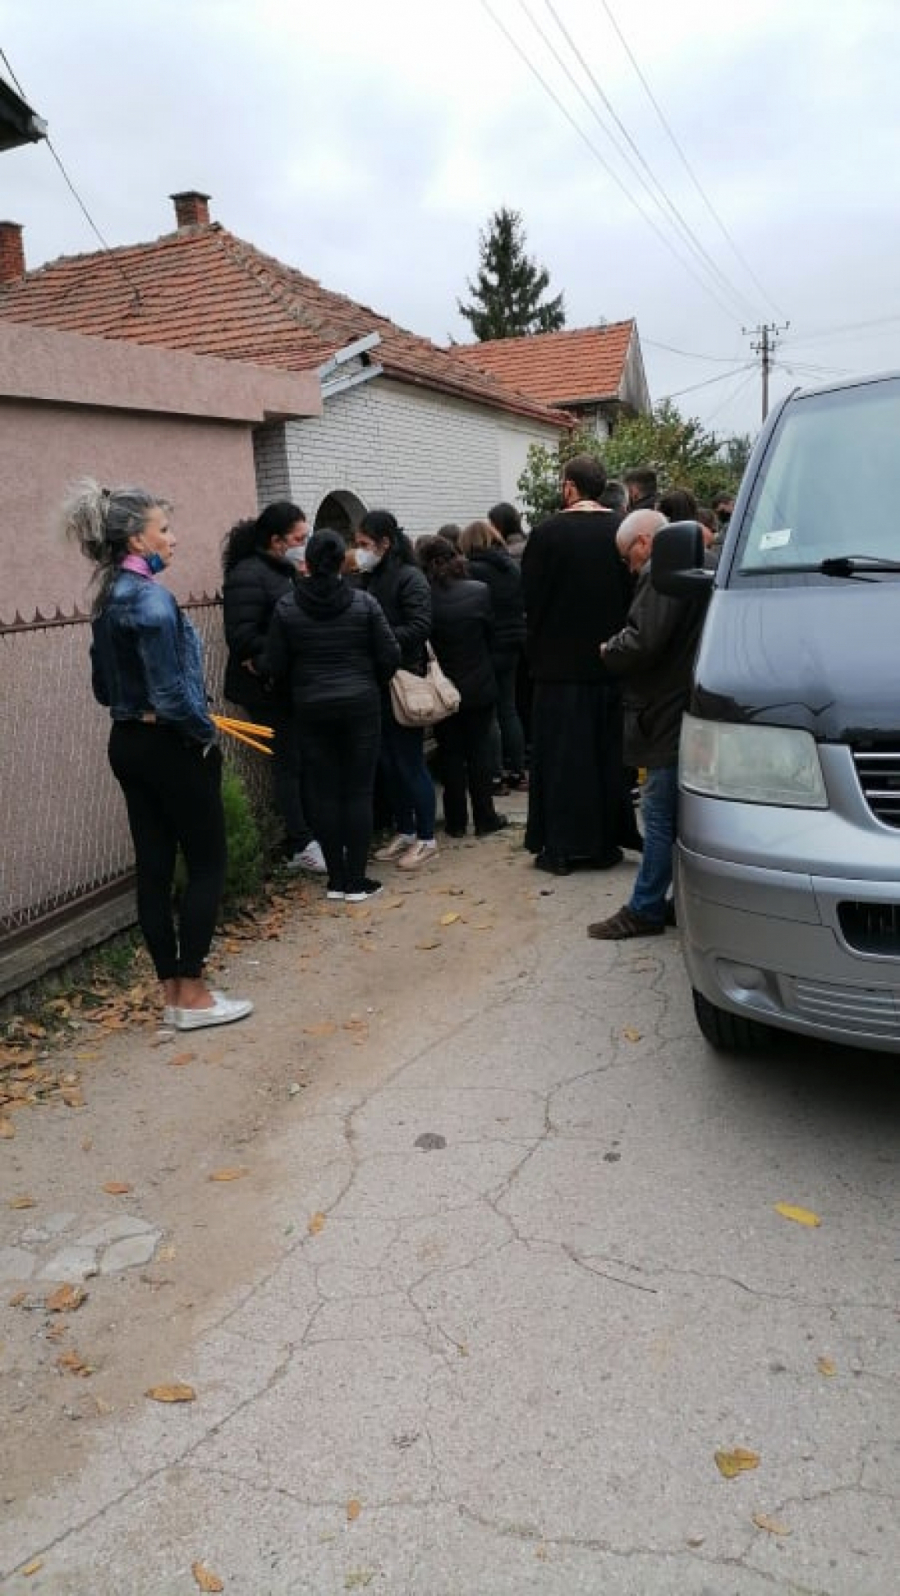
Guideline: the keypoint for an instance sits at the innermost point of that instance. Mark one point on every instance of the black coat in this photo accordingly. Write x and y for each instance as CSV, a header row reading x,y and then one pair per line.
x,y
577,592
462,638
503,579
405,597
333,646
654,655
250,592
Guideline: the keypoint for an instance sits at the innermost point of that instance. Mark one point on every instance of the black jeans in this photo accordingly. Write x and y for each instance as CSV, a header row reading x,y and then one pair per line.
x,y
339,760
174,800
464,740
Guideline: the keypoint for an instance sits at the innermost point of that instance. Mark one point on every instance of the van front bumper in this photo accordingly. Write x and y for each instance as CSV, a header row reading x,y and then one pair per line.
x,y
812,953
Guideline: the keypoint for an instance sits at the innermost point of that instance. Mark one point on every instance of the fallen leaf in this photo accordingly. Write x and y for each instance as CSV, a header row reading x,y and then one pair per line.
x,y
117,1188
358,1578
771,1525
73,1363
72,1096
391,903
17,1300
206,1579
426,947
316,1223
166,1254
7,1129
826,1366
180,1059
449,919
23,1202
171,1393
736,1462
631,1035
324,1028
800,1216
482,925
354,1508
33,1566
65,1299
229,1174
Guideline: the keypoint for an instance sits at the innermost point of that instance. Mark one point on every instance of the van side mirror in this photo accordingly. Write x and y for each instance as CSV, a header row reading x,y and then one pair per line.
x,y
677,563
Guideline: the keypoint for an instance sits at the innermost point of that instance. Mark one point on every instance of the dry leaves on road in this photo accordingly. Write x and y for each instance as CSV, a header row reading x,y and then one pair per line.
x,y
177,1392
321,1028
772,1526
800,1216
735,1462
354,1508
426,947
178,1060
23,1202
65,1299
827,1367
32,1567
449,919
223,1175
316,1223
73,1363
116,1188
631,1035
205,1578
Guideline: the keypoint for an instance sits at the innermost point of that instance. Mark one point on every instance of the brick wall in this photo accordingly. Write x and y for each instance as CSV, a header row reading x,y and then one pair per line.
x,y
426,456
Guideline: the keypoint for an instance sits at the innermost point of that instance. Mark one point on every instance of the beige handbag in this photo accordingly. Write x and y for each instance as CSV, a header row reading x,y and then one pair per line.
x,y
423,700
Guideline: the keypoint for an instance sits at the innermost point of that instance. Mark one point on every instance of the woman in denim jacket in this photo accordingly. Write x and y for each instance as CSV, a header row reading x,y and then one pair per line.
x,y
147,669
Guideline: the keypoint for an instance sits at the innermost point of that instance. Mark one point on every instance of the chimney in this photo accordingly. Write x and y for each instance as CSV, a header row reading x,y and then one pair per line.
x,y
191,208
12,253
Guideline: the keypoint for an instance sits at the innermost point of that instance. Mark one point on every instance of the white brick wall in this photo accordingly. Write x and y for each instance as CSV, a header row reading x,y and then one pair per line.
x,y
426,456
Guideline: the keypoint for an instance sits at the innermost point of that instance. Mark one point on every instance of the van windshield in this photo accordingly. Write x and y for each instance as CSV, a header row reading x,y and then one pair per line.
x,y
830,486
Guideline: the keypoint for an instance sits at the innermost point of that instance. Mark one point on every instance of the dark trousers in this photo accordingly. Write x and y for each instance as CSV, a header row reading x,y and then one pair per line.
x,y
287,775
407,782
508,738
174,800
464,741
339,760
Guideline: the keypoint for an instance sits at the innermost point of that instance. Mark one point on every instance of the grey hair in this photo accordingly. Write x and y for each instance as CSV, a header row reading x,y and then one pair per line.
x,y
101,520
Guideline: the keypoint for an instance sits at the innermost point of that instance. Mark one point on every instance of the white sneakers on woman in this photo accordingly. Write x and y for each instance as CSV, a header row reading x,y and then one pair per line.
x,y
223,1011
397,846
421,853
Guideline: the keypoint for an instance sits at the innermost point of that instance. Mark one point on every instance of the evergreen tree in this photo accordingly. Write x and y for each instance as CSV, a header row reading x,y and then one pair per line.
x,y
507,292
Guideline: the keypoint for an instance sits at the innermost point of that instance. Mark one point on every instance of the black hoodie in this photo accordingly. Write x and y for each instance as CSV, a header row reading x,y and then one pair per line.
x,y
501,575
333,645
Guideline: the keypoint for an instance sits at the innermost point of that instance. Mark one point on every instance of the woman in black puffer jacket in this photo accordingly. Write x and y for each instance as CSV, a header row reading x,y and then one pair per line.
x,y
490,562
261,560
462,636
331,645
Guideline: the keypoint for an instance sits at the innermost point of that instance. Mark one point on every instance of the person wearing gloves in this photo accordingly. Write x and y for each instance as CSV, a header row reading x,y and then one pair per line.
x,y
147,670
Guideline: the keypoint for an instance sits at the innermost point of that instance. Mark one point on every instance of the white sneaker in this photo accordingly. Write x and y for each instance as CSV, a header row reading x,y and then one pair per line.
x,y
335,895
223,1011
369,889
421,853
170,1013
397,846
309,858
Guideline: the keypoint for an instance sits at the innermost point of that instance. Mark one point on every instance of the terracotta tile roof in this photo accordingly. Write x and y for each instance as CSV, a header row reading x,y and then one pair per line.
x,y
570,367
204,290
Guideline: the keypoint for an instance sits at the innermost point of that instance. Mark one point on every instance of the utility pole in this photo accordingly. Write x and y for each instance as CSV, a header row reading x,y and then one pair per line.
x,y
767,336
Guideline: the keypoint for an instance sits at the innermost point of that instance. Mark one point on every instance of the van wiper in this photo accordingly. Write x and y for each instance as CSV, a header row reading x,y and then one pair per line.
x,y
837,565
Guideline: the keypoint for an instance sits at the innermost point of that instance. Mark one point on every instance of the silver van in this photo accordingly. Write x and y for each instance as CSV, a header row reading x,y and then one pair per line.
x,y
788,857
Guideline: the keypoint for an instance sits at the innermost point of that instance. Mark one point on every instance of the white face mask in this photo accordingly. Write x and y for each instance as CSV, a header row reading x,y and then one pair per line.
x,y
295,553
366,559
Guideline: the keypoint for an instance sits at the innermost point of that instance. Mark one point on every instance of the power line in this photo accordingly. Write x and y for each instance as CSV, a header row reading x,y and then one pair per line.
x,y
723,376
687,165
837,332
656,192
689,354
744,383
666,241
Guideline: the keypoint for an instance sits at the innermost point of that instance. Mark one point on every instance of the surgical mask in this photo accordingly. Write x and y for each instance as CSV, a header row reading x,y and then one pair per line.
x,y
295,553
366,559
155,563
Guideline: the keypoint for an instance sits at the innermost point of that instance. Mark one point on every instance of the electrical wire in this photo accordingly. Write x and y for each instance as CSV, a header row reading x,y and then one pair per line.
x,y
687,165
723,376
689,354
742,385
651,183
666,241
838,332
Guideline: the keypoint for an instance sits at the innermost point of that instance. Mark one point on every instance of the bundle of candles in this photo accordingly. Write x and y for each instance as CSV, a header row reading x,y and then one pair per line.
x,y
245,731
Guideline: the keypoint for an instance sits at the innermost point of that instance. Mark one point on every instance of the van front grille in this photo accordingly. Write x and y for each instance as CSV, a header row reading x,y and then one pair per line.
x,y
878,770
873,1011
871,927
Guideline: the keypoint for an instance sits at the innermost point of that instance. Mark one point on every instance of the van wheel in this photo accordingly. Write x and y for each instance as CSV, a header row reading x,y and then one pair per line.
x,y
729,1033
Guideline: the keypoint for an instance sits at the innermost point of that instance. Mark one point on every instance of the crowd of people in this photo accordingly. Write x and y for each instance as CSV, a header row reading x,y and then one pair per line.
x,y
571,674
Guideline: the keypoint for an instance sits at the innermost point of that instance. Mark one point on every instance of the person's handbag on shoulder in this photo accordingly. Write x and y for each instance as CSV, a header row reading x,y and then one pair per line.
x,y
423,700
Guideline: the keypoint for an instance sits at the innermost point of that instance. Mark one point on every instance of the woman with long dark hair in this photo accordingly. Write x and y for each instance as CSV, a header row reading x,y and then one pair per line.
x,y
261,559
147,669
385,559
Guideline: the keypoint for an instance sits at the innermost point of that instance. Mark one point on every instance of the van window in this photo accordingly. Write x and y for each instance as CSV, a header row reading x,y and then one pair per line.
x,y
830,483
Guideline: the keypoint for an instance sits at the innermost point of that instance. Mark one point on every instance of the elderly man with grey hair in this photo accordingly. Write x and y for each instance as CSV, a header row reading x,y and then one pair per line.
x,y
654,655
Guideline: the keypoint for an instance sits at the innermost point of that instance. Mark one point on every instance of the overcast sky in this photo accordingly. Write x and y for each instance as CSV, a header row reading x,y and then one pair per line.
x,y
368,143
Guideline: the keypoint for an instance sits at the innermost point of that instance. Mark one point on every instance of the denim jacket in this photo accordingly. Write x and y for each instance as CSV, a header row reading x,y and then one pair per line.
x,y
146,656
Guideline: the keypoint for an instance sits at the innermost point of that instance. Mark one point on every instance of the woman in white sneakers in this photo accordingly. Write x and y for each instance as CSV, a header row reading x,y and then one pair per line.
x,y
385,559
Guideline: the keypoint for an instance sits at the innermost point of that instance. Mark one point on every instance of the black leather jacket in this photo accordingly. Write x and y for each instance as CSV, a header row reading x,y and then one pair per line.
x,y
331,643
404,595
250,592
654,655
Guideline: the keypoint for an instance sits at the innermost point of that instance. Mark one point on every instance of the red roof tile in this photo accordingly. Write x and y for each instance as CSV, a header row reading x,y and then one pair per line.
x,y
204,290
574,367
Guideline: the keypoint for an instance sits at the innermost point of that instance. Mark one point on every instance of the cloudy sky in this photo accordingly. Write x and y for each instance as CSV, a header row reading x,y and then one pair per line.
x,y
750,177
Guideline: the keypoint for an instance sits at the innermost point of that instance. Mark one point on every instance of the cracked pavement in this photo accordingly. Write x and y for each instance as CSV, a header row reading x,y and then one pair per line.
x,y
547,1283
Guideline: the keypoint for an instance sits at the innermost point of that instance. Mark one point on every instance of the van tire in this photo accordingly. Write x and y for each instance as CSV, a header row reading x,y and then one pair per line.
x,y
729,1033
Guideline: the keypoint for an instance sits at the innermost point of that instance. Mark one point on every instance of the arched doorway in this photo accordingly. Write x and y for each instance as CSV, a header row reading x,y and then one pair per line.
x,y
340,510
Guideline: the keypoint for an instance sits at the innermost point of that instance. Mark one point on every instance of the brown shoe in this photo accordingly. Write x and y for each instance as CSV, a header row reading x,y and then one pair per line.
x,y
625,923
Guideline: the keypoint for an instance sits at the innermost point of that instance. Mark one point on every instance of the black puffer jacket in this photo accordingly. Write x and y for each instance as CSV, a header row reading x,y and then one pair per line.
x,y
503,579
462,639
653,655
250,592
404,595
333,646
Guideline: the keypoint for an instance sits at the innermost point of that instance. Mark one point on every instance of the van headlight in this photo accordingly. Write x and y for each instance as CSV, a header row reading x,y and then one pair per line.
x,y
754,764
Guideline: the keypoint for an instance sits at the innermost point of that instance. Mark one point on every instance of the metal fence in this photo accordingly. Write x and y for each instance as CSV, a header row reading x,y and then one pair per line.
x,y
65,832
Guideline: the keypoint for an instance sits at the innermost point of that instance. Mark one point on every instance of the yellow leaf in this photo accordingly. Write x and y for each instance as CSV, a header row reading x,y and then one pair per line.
x,y
205,1578
772,1525
316,1224
354,1508
23,1202
17,1300
448,919
171,1393
180,1059
7,1130
630,1034
73,1363
826,1366
800,1216
72,1096
65,1299
33,1566
229,1174
117,1188
324,1028
736,1461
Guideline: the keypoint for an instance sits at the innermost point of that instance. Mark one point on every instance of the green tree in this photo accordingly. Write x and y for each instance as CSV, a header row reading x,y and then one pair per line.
x,y
507,292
